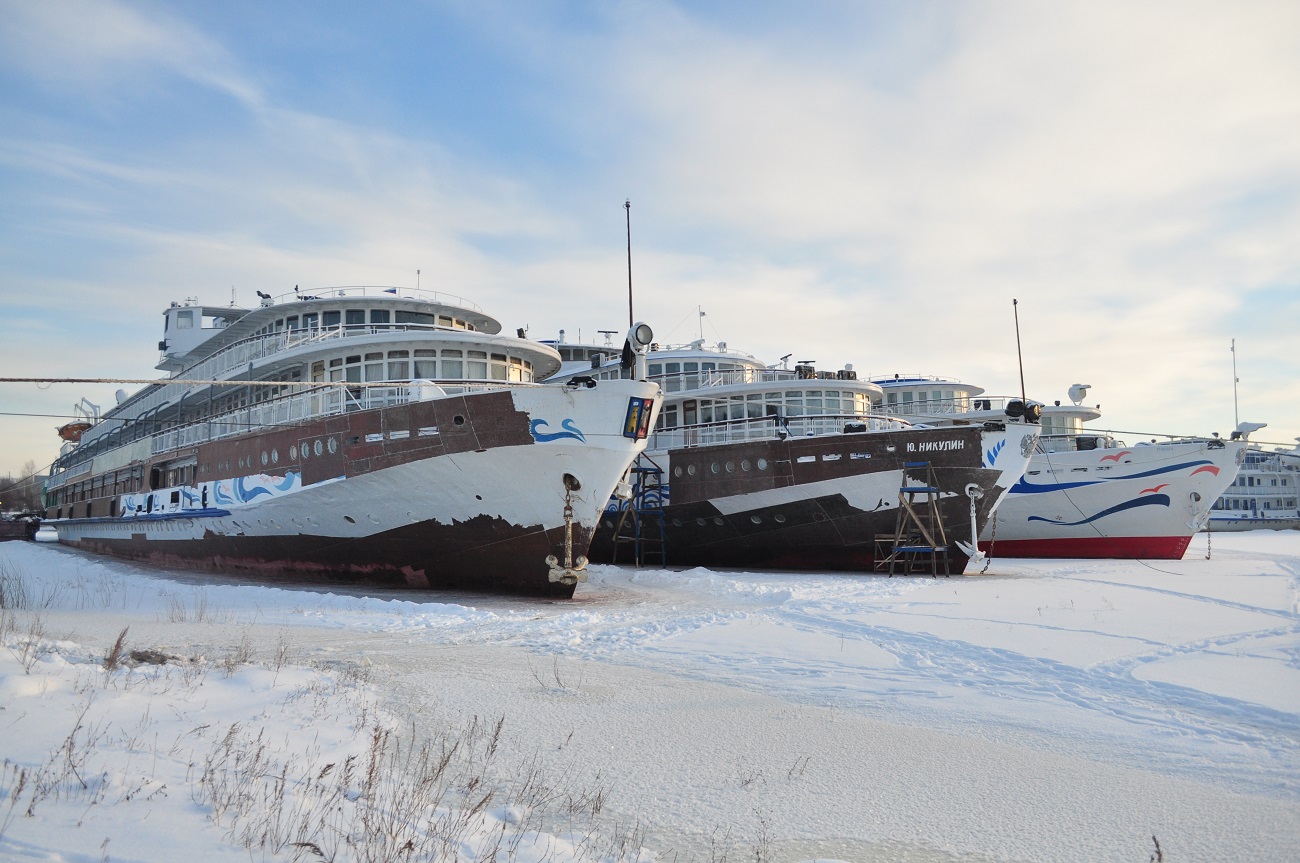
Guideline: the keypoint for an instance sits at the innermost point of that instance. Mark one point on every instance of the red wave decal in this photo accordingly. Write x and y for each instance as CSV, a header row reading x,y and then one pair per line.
x,y
1157,488
1117,456
1206,468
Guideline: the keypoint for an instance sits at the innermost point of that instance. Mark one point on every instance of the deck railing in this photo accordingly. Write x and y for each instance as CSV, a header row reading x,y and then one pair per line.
x,y
763,428
325,400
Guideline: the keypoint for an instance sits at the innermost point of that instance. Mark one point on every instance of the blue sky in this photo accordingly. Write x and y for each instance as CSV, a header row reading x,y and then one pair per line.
x,y
866,183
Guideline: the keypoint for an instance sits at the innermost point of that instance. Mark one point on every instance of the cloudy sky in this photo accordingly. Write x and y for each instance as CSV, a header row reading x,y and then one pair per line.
x,y
865,183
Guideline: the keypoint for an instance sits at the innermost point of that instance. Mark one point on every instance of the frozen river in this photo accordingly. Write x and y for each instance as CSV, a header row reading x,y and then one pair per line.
x,y
1047,710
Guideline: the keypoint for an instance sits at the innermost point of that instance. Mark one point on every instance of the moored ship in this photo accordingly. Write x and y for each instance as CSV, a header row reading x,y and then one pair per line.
x,y
1085,494
760,466
1265,494
366,434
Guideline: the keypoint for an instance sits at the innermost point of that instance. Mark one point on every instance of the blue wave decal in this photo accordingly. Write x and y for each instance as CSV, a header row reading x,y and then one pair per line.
x,y
289,478
1024,486
992,455
220,496
570,431
1149,500
247,494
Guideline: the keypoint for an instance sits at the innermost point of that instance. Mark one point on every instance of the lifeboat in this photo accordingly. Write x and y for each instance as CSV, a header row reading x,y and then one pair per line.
x,y
73,431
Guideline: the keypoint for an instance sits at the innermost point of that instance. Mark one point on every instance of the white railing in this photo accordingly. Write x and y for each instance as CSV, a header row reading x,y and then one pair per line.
x,y
238,355
356,291
295,408
763,428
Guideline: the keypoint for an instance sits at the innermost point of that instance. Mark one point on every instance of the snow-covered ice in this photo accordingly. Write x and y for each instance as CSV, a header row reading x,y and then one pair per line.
x,y
1046,710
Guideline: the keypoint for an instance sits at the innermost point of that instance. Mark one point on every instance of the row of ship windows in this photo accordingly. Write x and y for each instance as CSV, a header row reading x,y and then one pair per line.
x,y
358,318
1246,503
1246,481
716,467
941,397
447,364
794,403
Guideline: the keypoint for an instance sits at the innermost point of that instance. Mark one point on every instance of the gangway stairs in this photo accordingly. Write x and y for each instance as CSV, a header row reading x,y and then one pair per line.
x,y
919,543
640,521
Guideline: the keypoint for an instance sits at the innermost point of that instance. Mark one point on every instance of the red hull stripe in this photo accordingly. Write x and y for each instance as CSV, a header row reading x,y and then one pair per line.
x,y
1121,547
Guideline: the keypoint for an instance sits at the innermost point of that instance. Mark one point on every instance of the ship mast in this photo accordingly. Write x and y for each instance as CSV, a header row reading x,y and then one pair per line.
x,y
1236,418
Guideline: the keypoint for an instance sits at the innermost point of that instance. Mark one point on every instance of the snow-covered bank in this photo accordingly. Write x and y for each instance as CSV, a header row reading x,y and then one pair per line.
x,y
1062,710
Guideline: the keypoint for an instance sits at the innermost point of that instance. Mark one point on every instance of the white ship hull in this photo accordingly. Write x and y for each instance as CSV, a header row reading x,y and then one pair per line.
x,y
1135,502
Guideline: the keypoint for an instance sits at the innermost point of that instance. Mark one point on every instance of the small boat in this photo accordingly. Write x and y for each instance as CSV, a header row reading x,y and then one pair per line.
x,y
358,434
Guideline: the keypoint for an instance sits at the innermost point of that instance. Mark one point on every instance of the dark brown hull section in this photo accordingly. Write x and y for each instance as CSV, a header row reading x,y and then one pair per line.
x,y
816,532
484,555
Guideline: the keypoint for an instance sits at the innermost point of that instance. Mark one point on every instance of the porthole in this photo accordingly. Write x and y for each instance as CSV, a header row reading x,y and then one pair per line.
x,y
717,520
275,456
265,458
313,522
690,469
700,522
756,519
293,453
334,445
373,519
306,450
677,471
677,522
762,464
744,464
297,522
608,524
731,467
778,518
317,447
478,497
458,420
714,467
349,519
890,448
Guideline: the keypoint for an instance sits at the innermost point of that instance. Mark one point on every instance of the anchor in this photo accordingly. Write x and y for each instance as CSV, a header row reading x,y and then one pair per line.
x,y
573,571
977,557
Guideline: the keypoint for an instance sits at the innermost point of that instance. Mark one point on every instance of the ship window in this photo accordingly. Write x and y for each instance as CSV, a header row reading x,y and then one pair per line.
x,y
452,365
477,365
500,371
673,368
379,316
355,317
374,367
185,320
291,322
399,370
309,321
656,368
404,317
444,320
516,369
329,319
891,398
